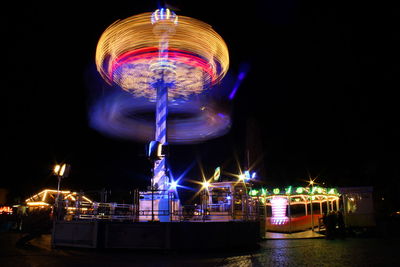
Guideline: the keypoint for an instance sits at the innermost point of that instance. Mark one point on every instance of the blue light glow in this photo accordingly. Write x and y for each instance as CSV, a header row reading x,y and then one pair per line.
x,y
244,69
249,175
173,184
164,14
233,93
119,115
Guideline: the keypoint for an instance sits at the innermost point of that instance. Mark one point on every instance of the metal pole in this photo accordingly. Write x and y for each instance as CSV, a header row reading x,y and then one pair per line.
x,y
290,215
244,213
152,203
57,204
327,204
311,212
305,205
232,202
265,213
344,209
170,207
320,207
58,188
204,204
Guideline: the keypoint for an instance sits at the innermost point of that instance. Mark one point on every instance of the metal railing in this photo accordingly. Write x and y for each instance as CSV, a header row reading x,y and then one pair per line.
x,y
154,206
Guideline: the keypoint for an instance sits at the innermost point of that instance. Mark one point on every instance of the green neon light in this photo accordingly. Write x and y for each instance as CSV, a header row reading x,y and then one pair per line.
x,y
288,190
263,192
217,174
276,191
299,190
253,192
313,190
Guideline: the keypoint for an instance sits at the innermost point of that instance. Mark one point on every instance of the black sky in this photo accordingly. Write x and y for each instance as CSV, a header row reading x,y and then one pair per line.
x,y
321,88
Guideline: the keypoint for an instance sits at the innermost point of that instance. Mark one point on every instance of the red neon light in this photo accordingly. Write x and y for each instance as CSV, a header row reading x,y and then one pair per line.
x,y
148,53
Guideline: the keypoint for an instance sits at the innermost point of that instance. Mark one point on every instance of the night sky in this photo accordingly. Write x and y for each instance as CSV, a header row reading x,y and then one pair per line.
x,y
320,95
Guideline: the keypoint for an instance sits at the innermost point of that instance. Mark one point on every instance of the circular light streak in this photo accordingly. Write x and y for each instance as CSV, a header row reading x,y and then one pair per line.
x,y
129,54
119,115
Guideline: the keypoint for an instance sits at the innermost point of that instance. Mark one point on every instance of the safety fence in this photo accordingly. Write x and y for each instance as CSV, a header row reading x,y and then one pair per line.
x,y
163,206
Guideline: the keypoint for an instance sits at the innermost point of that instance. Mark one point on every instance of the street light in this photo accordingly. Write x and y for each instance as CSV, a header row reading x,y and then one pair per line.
x,y
205,198
242,177
206,184
61,171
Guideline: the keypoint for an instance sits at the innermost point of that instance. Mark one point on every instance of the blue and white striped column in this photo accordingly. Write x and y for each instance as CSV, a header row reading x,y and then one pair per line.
x,y
164,21
160,178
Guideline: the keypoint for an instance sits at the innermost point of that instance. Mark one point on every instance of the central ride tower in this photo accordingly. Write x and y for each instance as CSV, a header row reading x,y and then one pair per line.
x,y
164,22
165,66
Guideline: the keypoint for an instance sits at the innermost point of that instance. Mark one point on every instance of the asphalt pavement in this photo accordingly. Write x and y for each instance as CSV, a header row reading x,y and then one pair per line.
x,y
280,252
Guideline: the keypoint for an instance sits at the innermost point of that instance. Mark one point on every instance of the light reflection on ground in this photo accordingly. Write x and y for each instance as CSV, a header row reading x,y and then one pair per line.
x,y
301,252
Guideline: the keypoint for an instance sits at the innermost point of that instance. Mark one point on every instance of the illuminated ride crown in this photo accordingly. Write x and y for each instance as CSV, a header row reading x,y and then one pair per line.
x,y
139,51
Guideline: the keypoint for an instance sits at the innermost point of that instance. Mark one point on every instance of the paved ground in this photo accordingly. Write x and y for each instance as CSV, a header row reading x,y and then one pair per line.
x,y
298,252
298,235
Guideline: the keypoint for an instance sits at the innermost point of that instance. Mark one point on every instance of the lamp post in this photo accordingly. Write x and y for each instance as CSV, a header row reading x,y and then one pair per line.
x,y
61,171
205,198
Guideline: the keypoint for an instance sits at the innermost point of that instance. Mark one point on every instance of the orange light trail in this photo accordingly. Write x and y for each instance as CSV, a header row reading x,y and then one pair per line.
x,y
197,56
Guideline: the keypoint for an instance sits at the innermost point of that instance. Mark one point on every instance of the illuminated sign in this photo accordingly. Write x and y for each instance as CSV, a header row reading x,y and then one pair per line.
x,y
253,192
154,151
332,191
279,210
217,174
263,192
249,175
288,190
299,190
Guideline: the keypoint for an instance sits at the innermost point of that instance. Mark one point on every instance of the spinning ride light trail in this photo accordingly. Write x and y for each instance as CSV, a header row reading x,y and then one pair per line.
x,y
120,116
134,53
165,59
